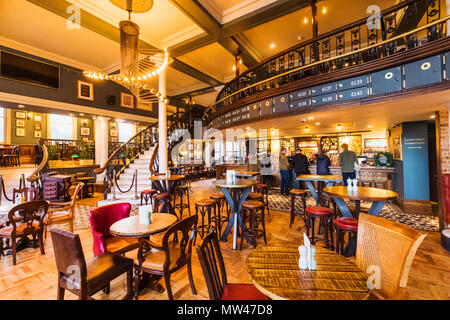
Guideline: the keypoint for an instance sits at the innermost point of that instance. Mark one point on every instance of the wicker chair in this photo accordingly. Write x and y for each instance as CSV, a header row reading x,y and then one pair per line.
x,y
390,246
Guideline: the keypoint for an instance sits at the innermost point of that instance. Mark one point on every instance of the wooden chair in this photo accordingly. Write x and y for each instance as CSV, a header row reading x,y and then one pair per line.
x,y
13,159
28,193
211,261
391,247
86,278
59,213
169,257
31,223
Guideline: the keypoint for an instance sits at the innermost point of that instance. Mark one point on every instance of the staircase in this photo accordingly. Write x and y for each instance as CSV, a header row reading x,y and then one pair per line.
x,y
141,164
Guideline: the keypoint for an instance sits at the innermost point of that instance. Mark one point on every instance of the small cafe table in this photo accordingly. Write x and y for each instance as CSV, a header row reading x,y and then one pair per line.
x,y
309,178
377,196
166,184
246,174
274,270
235,194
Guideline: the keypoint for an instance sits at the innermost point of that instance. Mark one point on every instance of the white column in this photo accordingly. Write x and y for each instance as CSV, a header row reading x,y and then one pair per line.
x,y
162,115
101,135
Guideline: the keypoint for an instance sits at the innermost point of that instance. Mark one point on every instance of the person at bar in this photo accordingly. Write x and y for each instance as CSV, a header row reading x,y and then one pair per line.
x,y
266,169
284,172
323,167
347,161
301,166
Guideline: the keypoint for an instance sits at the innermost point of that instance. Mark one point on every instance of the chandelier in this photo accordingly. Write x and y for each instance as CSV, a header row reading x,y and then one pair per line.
x,y
138,66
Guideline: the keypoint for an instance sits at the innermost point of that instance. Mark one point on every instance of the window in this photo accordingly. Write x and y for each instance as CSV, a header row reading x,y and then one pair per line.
x,y
61,127
125,131
2,124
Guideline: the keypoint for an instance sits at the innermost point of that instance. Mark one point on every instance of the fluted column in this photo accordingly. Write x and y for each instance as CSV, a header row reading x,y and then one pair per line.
x,y
162,115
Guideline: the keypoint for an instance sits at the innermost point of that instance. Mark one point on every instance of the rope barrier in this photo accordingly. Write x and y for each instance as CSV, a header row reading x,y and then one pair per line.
x,y
132,183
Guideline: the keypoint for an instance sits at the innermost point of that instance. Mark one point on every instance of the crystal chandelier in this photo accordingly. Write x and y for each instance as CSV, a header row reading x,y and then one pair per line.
x,y
138,66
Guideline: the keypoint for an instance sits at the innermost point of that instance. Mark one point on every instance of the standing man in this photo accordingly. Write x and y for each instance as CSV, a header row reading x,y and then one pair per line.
x,y
347,160
284,172
301,166
266,169
323,168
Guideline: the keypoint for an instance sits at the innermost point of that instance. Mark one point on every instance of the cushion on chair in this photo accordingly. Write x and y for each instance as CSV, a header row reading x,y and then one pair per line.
x,y
316,210
298,192
242,291
121,245
20,227
155,259
261,186
345,223
149,191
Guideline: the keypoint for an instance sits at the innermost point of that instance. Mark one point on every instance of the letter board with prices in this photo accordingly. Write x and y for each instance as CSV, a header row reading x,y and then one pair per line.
x,y
386,81
423,72
299,95
447,65
281,103
254,111
350,94
324,89
266,107
324,99
352,83
299,104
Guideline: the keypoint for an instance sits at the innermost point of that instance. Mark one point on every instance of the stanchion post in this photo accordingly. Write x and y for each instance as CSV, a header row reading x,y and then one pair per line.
x,y
136,185
114,186
1,189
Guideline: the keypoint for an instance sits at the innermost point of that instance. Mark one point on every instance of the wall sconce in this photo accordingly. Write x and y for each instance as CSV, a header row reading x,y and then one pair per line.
x,y
30,115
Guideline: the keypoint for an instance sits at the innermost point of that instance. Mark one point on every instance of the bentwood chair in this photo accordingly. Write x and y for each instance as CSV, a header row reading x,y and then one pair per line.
x,y
31,222
28,193
86,278
211,261
59,213
389,247
169,257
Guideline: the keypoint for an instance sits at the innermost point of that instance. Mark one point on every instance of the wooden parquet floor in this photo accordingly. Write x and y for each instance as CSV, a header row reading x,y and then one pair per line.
x,y
34,276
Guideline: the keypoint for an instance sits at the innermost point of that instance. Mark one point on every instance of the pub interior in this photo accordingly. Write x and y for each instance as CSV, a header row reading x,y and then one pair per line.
x,y
224,150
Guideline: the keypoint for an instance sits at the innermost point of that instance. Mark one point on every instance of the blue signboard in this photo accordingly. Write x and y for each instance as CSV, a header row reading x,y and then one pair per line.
x,y
351,83
324,89
353,94
423,72
324,99
298,104
415,160
387,81
301,94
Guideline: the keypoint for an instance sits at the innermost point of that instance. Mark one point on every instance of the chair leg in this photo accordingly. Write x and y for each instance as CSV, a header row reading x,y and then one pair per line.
x,y
71,225
129,295
107,289
137,282
292,210
13,248
41,241
168,287
191,278
61,290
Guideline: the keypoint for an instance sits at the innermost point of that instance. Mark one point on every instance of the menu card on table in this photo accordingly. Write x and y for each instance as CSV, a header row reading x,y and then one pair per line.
x,y
307,253
146,214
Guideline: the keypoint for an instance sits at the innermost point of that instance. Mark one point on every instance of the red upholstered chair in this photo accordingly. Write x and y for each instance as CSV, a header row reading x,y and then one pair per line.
x,y
101,220
213,267
446,196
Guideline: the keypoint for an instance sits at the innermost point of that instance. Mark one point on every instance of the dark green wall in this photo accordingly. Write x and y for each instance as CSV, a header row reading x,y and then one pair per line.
x,y
29,128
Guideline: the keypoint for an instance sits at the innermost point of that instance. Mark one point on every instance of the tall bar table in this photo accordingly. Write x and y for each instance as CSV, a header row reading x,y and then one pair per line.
x,y
166,184
309,178
235,194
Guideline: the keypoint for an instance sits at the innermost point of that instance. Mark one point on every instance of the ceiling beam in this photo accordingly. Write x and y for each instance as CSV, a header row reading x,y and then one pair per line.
x,y
195,93
187,69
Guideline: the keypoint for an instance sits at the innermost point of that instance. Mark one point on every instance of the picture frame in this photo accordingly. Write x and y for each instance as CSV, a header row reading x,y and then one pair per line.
x,y
37,126
20,132
38,134
114,133
85,90
38,118
20,123
85,131
85,139
397,146
21,115
113,139
126,100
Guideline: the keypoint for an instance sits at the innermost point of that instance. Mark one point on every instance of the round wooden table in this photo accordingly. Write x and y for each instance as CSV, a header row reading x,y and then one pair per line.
x,y
235,194
309,178
274,270
131,228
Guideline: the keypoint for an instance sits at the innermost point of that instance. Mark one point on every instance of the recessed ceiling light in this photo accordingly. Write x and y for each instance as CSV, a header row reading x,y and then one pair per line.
x,y
317,123
305,20
272,45
433,116
300,38
82,114
370,126
21,106
324,9
311,118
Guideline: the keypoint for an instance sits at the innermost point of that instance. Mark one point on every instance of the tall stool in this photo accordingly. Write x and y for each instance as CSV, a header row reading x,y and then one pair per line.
x,y
324,215
181,192
344,226
255,196
160,199
207,210
298,194
253,214
264,190
147,196
221,203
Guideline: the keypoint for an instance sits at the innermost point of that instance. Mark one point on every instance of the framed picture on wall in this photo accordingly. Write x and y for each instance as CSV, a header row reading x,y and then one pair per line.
x,y
38,118
85,131
126,100
85,139
114,133
397,148
113,139
20,123
21,115
20,132
37,126
38,134
85,90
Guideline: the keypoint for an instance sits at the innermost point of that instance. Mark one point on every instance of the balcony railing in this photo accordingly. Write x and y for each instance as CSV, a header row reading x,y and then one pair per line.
x,y
407,25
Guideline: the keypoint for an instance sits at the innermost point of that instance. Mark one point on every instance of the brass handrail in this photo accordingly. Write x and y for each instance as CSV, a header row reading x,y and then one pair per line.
x,y
35,175
332,58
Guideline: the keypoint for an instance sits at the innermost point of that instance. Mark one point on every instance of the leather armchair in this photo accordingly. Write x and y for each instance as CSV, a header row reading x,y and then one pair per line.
x,y
101,219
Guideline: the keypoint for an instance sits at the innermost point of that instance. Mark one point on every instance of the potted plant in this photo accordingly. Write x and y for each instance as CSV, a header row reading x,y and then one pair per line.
x,y
384,159
86,156
52,155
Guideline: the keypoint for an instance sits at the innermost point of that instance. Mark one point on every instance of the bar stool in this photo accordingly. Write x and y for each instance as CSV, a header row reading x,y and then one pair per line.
x,y
324,215
221,203
264,190
250,213
147,195
327,201
206,207
180,192
255,196
160,199
344,225
301,194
